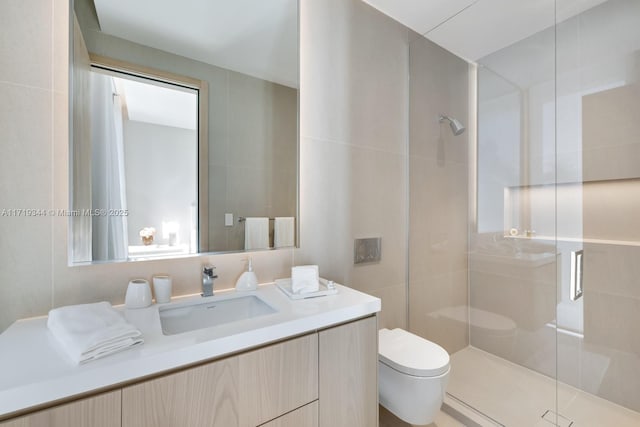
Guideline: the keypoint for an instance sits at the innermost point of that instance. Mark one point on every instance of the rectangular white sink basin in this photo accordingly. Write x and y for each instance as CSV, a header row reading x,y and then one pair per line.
x,y
212,311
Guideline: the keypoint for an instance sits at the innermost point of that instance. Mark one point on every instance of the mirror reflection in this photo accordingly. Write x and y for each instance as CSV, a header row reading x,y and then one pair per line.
x,y
184,128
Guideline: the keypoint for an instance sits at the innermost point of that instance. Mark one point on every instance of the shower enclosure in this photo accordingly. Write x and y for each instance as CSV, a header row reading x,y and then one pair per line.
x,y
539,303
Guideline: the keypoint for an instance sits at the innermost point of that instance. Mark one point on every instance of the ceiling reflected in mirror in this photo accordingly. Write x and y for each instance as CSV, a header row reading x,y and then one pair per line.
x,y
253,37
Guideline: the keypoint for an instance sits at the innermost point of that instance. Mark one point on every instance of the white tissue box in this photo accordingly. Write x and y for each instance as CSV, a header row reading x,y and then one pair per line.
x,y
305,279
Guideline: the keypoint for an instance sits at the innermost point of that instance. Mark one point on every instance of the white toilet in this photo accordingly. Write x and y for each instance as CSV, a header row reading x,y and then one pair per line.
x,y
412,374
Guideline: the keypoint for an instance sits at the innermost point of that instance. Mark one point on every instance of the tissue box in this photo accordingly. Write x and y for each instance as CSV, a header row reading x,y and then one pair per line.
x,y
305,279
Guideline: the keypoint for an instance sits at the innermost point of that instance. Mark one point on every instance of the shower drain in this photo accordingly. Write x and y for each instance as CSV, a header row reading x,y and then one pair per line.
x,y
556,419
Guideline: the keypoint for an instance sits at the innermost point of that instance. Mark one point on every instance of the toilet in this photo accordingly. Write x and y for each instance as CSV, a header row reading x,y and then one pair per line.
x,y
412,374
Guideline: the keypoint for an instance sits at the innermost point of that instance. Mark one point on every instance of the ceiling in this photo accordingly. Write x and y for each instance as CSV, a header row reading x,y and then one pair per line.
x,y
473,29
159,105
254,37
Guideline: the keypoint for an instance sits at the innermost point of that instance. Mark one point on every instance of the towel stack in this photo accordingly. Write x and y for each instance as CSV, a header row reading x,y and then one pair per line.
x,y
305,279
91,331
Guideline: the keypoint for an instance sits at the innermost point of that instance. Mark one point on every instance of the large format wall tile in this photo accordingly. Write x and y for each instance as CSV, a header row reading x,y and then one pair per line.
x,y
353,113
610,129
438,309
325,201
439,85
353,75
356,193
25,46
60,64
25,177
438,196
394,303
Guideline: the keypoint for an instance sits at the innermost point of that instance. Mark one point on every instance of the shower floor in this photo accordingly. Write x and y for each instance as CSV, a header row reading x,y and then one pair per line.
x,y
515,396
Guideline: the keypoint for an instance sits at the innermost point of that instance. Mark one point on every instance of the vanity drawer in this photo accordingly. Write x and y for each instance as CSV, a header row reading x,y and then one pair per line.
x,y
203,396
307,416
277,379
98,411
244,390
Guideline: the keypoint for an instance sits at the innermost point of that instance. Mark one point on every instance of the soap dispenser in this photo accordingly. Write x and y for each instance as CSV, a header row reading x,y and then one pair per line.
x,y
247,280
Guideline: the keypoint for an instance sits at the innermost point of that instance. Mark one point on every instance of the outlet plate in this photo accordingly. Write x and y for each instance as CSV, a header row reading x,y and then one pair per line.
x,y
367,250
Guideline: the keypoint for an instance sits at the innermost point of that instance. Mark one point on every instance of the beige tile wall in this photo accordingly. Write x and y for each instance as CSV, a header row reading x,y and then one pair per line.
x,y
353,154
34,275
611,134
26,122
438,204
256,156
354,168
610,352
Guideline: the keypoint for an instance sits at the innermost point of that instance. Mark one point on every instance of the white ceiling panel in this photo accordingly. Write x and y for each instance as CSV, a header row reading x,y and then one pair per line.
x,y
490,25
254,37
159,105
473,29
596,45
420,15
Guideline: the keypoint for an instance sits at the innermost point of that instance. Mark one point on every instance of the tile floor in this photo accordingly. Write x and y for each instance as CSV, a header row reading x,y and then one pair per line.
x,y
518,397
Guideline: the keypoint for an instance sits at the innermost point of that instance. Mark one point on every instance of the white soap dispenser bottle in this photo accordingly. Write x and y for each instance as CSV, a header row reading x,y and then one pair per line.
x,y
247,280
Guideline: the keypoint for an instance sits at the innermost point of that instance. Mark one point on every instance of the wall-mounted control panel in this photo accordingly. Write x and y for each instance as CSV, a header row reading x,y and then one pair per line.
x,y
367,250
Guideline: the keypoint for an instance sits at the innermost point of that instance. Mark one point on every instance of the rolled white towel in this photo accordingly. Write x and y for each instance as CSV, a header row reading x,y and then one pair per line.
x,y
91,331
305,279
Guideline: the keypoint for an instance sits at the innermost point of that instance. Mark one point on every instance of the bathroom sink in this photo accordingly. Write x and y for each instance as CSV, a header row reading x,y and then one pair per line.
x,y
212,311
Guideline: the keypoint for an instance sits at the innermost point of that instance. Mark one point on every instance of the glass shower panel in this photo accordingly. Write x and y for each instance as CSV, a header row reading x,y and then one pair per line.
x,y
598,211
512,248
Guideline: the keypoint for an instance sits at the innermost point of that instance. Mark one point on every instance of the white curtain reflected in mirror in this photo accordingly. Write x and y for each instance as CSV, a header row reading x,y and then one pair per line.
x,y
144,166
108,183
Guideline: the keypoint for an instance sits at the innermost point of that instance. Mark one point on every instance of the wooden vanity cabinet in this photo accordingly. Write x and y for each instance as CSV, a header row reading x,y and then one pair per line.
x,y
348,367
245,390
326,378
203,396
307,416
102,410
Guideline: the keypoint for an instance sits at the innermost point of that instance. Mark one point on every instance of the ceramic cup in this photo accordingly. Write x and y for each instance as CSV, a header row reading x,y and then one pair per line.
x,y
138,294
162,289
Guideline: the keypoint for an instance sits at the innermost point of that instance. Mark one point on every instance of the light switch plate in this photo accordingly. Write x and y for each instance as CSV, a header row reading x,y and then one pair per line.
x,y
228,220
367,250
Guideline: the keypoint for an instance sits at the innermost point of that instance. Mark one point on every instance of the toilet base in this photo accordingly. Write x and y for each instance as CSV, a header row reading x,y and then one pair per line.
x,y
415,400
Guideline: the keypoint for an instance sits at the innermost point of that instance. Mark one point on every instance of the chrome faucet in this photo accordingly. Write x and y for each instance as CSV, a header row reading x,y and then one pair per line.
x,y
208,274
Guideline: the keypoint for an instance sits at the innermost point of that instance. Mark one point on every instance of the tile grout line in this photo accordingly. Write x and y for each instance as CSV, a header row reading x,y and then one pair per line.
x,y
353,145
25,86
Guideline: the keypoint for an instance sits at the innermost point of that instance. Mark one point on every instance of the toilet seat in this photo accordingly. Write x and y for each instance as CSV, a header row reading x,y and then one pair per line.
x,y
411,354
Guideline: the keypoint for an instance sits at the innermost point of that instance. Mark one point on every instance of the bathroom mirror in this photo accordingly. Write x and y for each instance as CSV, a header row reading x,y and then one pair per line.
x,y
184,128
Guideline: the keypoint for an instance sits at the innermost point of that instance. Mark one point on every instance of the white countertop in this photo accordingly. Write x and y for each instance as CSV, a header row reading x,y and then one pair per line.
x,y
35,371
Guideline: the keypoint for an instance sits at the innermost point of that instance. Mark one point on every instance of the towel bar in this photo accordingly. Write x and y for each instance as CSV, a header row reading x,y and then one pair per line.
x,y
243,219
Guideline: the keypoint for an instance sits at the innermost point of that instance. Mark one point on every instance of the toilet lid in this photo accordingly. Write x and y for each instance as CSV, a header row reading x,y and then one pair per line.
x,y
411,354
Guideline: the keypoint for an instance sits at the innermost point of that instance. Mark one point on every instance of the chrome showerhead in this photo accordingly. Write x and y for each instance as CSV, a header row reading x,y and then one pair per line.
x,y
456,127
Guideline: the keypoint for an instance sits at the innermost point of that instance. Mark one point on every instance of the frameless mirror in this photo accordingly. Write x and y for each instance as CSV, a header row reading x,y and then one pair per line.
x,y
185,128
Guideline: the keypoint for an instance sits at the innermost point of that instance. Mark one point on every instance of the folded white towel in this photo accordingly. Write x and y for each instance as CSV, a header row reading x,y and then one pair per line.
x,y
91,331
256,233
305,279
283,231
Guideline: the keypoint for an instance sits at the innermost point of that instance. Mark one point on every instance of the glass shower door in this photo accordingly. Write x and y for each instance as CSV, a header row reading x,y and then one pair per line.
x,y
598,212
512,246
